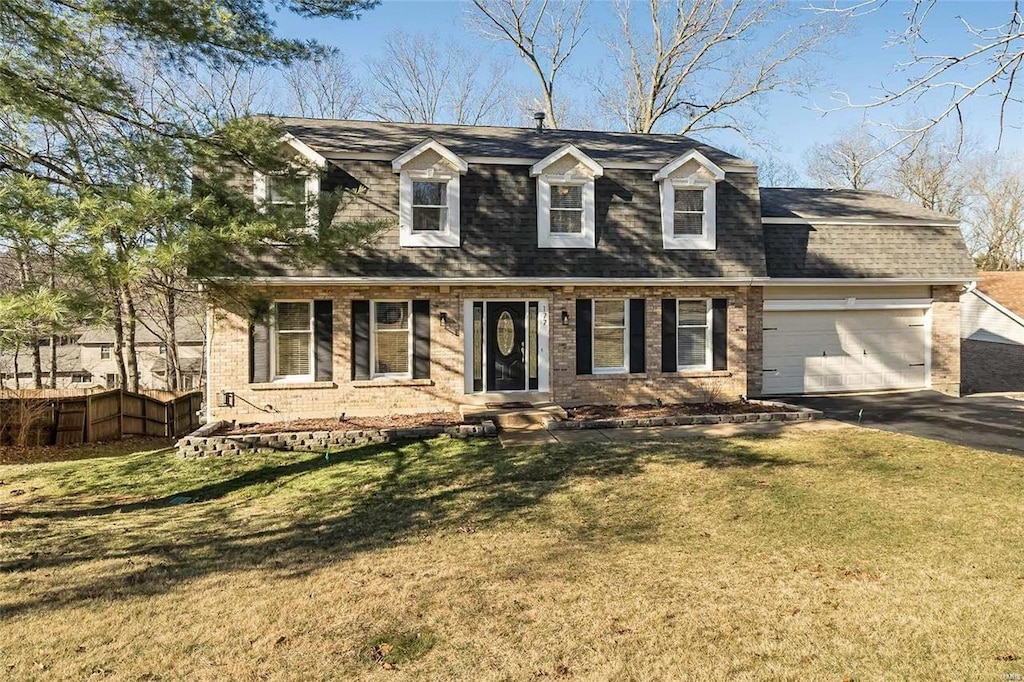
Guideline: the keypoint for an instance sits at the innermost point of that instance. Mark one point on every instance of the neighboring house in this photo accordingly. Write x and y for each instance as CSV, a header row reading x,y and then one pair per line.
x,y
992,333
98,355
86,359
582,267
70,373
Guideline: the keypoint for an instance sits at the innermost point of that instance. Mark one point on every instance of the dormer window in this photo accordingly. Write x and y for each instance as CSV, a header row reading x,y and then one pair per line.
x,y
429,195
688,197
301,188
565,199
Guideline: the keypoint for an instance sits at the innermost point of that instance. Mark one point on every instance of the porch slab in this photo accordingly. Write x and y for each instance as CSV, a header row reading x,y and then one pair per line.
x,y
520,438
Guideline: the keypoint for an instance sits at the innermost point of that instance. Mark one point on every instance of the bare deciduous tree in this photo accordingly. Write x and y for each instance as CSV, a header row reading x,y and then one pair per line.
x,y
851,161
698,63
323,87
544,33
995,217
929,172
988,66
418,81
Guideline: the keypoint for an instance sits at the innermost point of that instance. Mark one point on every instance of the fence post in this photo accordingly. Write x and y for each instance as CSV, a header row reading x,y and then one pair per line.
x,y
120,413
87,426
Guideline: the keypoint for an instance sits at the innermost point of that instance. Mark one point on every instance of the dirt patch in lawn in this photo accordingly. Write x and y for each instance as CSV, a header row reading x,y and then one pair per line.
x,y
397,421
587,412
67,453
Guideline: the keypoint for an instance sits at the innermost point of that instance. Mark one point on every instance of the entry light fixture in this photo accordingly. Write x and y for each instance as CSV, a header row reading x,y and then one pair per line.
x,y
444,318
565,317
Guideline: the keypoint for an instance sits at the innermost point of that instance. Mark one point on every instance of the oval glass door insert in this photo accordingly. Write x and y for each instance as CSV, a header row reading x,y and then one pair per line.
x,y
506,333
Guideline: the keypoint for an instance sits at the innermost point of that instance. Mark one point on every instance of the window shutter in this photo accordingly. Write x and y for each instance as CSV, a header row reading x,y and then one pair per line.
x,y
360,340
637,349
323,334
421,339
669,362
259,353
584,336
719,333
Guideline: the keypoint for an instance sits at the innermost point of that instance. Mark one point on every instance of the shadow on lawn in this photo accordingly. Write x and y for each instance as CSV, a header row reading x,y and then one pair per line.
x,y
364,498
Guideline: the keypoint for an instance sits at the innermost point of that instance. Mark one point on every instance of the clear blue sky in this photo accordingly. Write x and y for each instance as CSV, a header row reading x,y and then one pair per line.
x,y
858,64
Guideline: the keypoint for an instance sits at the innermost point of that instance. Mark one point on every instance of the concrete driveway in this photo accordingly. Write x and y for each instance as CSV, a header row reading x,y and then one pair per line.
x,y
988,423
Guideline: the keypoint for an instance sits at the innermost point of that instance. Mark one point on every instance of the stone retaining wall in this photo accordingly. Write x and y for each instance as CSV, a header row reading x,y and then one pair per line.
x,y
201,444
798,414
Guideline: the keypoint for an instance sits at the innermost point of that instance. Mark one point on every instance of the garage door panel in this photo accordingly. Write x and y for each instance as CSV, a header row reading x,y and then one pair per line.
x,y
827,351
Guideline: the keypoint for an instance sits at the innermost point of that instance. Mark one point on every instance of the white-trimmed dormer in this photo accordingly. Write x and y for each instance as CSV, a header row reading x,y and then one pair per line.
x,y
303,188
428,212
688,188
565,199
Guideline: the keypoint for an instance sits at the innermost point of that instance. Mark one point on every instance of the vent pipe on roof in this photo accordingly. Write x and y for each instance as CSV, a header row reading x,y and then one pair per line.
x,y
539,118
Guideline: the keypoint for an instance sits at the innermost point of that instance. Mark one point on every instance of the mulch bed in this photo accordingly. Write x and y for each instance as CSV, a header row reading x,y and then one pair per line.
x,y
398,421
587,412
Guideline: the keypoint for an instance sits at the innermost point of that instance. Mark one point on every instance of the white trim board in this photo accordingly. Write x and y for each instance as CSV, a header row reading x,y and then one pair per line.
x,y
997,305
302,280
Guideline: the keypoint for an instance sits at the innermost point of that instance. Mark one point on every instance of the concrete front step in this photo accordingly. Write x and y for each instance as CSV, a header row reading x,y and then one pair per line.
x,y
535,416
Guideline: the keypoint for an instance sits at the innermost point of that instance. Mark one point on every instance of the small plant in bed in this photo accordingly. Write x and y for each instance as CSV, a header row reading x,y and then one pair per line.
x,y
585,412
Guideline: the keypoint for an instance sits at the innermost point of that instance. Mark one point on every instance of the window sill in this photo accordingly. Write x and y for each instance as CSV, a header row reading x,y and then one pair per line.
x,y
390,383
288,385
598,376
699,373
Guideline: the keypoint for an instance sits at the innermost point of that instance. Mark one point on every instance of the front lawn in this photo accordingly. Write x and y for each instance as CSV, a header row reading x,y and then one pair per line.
x,y
841,554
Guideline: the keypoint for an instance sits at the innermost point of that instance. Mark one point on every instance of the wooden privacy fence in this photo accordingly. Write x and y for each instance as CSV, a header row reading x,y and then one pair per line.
x,y
95,417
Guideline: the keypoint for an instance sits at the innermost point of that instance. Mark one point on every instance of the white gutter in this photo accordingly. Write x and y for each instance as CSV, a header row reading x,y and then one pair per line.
x,y
868,223
596,281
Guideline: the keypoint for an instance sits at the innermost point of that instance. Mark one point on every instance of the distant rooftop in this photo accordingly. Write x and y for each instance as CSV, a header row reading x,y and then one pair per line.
x,y
1007,288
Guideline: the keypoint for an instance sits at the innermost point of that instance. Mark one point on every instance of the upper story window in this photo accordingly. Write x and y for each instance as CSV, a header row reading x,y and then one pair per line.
x,y
299,189
429,195
688,188
104,352
287,190
566,199
429,206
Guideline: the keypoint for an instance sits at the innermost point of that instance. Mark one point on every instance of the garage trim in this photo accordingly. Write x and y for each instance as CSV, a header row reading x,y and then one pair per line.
x,y
796,305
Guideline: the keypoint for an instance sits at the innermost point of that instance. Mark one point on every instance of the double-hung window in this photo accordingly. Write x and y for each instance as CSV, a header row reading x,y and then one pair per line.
x,y
391,335
429,206
286,190
693,334
611,337
104,352
688,212
293,340
566,208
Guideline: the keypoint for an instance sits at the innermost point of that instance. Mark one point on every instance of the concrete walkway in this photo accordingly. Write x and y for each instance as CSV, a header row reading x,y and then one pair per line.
x,y
534,437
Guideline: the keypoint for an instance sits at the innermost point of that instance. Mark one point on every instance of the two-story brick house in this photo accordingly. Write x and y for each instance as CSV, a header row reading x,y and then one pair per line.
x,y
583,267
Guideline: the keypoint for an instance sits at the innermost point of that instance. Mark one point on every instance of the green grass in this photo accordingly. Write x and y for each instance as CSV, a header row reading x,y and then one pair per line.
x,y
849,553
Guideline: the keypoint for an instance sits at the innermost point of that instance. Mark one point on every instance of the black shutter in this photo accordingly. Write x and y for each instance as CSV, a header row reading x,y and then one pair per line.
x,y
584,336
360,340
259,353
719,333
669,357
637,349
323,334
421,339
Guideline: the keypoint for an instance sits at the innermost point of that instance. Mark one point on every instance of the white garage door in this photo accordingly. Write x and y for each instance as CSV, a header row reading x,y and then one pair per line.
x,y
826,351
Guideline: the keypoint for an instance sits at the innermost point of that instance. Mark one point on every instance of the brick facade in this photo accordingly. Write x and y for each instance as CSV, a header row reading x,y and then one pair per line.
x,y
990,367
446,387
946,339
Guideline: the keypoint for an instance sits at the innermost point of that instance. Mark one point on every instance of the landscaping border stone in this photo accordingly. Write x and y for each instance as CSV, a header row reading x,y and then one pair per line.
x,y
796,413
201,443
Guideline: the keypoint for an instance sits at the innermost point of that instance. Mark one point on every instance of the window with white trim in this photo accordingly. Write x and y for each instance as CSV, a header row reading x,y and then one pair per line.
x,y
104,352
300,191
293,340
286,190
566,208
611,336
688,212
693,334
391,336
429,206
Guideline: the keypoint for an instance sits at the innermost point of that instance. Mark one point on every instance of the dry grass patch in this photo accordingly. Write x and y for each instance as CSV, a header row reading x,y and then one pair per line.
x,y
846,554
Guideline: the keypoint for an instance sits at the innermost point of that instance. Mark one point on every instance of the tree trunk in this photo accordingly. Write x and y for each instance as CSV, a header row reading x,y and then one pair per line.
x,y
37,364
122,371
17,381
131,351
173,367
53,360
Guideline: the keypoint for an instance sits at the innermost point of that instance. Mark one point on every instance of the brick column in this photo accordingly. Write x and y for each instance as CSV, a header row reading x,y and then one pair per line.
x,y
946,339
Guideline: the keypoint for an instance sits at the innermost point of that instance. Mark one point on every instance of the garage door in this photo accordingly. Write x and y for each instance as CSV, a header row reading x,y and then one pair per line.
x,y
826,351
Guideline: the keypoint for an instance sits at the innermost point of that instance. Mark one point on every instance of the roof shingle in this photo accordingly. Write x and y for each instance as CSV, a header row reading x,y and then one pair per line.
x,y
810,204
1007,288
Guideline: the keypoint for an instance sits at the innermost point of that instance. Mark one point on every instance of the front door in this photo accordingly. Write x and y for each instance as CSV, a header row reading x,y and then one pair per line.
x,y
506,346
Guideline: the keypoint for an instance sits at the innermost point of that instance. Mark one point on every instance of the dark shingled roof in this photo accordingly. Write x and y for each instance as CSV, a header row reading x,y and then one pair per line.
x,y
339,139
852,251
808,203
